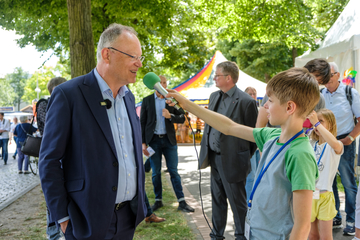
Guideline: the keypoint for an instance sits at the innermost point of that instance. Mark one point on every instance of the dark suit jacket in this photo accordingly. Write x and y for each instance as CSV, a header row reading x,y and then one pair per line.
x,y
148,120
235,152
78,133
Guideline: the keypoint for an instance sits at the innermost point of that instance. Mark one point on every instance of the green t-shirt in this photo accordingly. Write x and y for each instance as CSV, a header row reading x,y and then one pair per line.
x,y
300,161
293,169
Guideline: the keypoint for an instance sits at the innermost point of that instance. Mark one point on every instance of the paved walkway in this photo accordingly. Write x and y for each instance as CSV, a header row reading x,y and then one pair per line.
x,y
190,177
12,184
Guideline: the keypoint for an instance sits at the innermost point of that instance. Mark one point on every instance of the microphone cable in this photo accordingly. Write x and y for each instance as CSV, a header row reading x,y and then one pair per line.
x,y
197,157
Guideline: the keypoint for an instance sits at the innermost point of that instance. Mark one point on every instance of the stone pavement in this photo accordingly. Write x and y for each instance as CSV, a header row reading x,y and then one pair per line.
x,y
12,184
190,178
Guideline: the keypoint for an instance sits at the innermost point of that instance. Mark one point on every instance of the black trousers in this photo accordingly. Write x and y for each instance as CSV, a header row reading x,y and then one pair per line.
x,y
221,191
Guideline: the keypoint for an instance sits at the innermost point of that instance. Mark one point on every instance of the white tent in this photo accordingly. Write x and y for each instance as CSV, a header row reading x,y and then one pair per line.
x,y
342,42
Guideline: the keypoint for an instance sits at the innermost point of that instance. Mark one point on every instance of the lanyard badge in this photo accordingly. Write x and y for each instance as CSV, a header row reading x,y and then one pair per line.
x,y
263,170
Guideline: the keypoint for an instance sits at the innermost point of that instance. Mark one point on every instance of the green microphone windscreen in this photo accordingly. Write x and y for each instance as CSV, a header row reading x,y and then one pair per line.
x,y
150,79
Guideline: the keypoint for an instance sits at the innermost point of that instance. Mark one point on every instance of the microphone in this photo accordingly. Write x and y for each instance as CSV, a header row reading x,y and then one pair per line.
x,y
106,103
152,81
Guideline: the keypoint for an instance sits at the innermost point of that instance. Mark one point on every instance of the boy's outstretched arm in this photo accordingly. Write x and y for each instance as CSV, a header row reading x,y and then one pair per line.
x,y
215,120
302,202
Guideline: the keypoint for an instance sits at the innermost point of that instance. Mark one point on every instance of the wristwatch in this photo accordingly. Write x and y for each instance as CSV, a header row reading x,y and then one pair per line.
x,y
351,138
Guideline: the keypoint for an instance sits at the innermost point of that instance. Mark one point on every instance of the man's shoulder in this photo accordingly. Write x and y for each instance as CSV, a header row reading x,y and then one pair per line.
x,y
73,83
148,98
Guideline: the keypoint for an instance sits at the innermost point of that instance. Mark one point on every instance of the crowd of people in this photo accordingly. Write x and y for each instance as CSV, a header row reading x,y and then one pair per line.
x,y
279,180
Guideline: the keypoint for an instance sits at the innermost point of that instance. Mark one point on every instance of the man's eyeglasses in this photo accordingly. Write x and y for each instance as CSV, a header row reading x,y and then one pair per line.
x,y
332,74
141,58
216,76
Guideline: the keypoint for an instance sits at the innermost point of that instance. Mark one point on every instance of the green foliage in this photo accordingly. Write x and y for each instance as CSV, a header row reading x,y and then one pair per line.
x,y
260,35
167,28
42,77
258,59
326,12
178,36
7,94
17,81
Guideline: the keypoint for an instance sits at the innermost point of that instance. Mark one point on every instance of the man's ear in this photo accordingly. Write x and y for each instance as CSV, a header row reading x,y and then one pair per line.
x,y
105,55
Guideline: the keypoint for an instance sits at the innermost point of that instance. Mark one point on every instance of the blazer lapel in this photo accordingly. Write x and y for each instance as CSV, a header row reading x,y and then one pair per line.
x,y
213,103
234,101
93,96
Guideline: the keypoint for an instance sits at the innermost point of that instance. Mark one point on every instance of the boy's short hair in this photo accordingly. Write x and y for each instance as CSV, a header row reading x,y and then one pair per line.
x,y
319,67
230,68
329,116
54,82
297,85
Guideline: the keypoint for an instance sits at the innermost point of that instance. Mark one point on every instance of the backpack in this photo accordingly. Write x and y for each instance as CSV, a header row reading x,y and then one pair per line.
x,y
40,113
348,97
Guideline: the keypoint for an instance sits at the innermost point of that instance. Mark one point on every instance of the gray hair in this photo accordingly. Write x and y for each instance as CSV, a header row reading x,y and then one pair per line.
x,y
23,119
334,66
110,35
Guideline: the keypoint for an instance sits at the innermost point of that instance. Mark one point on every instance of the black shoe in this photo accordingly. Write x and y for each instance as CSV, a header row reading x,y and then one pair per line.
x,y
183,206
5,163
14,156
166,170
157,205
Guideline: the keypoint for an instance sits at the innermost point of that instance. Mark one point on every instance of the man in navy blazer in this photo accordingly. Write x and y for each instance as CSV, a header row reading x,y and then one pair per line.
x,y
90,165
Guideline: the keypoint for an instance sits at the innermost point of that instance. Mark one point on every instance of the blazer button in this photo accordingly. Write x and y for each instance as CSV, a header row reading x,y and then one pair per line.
x,y
114,188
115,164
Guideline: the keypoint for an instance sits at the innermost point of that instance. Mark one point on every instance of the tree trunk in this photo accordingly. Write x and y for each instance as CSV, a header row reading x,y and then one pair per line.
x,y
82,51
294,55
267,77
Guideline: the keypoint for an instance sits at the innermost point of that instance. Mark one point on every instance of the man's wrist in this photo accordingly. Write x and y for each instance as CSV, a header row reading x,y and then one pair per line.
x,y
351,138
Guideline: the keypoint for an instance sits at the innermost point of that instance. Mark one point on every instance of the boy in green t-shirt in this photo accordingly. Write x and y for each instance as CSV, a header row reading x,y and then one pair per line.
x,y
285,180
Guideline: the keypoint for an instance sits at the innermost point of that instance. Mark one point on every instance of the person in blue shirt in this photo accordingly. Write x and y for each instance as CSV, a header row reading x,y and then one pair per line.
x,y
21,132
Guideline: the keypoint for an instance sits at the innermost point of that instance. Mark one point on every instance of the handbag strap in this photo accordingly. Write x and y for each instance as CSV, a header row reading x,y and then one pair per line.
x,y
28,132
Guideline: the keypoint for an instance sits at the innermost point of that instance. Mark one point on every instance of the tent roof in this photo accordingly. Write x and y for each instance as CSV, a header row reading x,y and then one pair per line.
x,y
199,87
342,36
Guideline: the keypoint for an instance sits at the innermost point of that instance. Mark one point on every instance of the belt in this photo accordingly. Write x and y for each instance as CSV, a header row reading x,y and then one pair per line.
x,y
119,206
342,136
160,135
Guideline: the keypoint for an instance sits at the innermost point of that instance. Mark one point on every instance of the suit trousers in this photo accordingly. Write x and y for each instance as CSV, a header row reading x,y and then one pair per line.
x,y
221,190
122,225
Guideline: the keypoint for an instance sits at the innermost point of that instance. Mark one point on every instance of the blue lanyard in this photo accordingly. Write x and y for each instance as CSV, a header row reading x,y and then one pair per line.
x,y
322,153
262,171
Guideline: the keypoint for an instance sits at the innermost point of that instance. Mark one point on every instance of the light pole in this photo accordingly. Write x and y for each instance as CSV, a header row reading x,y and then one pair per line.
x,y
37,89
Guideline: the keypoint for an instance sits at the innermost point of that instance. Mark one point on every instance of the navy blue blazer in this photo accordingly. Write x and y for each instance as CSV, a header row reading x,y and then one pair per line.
x,y
77,133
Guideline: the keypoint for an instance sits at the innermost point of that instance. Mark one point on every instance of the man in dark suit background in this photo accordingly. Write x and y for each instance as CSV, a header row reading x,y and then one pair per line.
x,y
157,126
90,163
228,157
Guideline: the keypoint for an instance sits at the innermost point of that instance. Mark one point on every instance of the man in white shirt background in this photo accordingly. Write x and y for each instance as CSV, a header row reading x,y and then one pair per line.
x,y
4,136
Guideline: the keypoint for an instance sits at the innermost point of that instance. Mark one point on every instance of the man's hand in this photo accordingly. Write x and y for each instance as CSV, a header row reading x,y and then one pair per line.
x,y
166,113
145,151
346,141
63,225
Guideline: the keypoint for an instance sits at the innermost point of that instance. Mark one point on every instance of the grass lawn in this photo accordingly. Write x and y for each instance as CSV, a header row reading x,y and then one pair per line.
x,y
175,226
33,226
